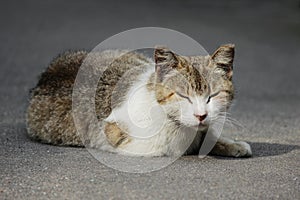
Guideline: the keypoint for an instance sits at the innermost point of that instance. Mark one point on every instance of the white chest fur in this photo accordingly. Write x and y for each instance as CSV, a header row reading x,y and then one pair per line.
x,y
152,133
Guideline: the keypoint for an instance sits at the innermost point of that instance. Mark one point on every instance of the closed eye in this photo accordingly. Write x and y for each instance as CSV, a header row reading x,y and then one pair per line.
x,y
211,96
215,94
185,97
208,99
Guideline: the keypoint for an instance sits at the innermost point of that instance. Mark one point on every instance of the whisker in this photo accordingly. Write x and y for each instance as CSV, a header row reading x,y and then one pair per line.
x,y
228,120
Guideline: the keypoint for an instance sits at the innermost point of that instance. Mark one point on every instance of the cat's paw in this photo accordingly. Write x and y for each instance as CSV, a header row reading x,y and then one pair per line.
x,y
240,149
231,148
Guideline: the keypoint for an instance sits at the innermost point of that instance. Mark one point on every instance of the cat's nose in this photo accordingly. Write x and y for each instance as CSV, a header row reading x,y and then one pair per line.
x,y
201,117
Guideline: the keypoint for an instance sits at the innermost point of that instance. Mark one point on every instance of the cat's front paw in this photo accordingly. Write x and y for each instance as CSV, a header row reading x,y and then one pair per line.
x,y
240,149
227,147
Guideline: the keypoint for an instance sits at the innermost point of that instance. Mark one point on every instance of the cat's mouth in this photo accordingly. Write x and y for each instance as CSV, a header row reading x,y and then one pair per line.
x,y
202,126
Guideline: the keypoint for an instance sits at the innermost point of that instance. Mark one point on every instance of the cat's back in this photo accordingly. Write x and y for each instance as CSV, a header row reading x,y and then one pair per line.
x,y
60,75
49,117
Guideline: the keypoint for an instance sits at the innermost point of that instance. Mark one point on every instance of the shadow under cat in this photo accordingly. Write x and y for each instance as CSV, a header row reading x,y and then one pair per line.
x,y
264,149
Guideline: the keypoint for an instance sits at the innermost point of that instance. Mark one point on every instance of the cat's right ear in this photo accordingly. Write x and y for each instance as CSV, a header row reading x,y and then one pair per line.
x,y
165,61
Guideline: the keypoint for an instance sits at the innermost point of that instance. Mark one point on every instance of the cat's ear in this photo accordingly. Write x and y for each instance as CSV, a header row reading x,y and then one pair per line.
x,y
165,61
223,57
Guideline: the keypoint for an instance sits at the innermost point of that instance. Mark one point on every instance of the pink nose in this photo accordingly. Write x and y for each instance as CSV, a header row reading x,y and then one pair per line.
x,y
201,117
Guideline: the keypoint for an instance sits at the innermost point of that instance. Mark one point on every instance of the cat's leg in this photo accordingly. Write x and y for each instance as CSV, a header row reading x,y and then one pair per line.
x,y
232,148
124,144
115,135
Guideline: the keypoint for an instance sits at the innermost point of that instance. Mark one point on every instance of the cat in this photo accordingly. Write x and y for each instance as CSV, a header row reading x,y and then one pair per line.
x,y
188,95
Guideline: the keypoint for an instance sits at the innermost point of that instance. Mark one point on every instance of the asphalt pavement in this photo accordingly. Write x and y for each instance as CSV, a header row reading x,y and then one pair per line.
x,y
267,105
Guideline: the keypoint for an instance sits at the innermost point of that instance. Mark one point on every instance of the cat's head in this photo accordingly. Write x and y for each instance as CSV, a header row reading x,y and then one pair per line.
x,y
196,90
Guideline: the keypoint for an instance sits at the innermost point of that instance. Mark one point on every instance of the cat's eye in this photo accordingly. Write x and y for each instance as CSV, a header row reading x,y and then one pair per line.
x,y
208,99
185,97
211,96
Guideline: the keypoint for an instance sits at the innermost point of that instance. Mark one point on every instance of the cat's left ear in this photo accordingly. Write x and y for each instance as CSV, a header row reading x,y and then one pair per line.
x,y
165,61
223,57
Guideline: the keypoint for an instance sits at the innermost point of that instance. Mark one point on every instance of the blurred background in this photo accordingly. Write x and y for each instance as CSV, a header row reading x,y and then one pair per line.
x,y
266,75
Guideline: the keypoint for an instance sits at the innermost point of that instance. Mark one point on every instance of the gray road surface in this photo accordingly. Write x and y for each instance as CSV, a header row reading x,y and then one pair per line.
x,y
267,77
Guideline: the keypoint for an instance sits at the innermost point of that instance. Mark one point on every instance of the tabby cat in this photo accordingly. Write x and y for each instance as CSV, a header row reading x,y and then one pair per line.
x,y
185,94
